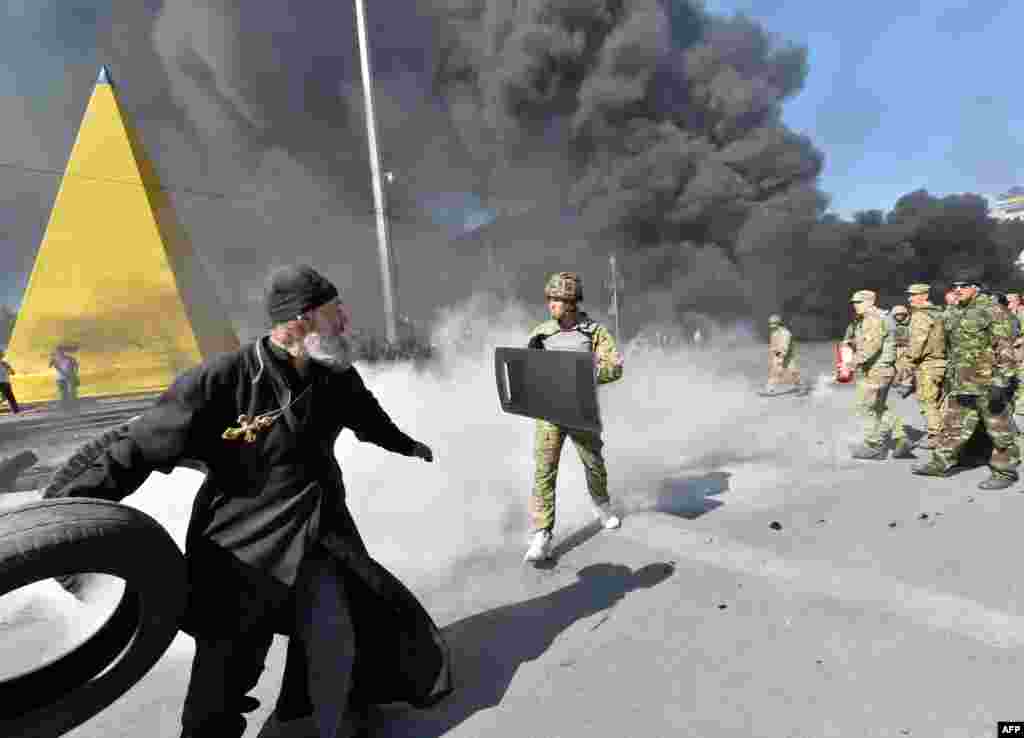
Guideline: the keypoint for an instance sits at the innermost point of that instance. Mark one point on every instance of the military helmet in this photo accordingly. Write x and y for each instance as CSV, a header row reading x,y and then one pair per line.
x,y
564,286
900,310
774,319
918,289
863,296
966,278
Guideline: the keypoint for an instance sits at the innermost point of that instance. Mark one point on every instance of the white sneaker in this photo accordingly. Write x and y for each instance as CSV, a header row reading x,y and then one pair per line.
x,y
540,547
608,519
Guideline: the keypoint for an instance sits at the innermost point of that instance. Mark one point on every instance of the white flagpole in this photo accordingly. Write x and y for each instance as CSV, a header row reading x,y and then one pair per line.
x,y
380,206
615,296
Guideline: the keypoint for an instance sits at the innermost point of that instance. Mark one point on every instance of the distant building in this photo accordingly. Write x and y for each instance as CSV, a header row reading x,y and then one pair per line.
x,y
1009,205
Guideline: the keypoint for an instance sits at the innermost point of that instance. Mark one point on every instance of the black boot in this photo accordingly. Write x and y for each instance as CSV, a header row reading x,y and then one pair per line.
x,y
931,468
997,481
872,453
902,450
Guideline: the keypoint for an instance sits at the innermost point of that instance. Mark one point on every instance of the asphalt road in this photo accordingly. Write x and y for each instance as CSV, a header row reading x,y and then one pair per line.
x,y
769,585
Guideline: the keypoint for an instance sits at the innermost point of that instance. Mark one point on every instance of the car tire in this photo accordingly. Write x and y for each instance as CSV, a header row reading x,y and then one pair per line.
x,y
56,537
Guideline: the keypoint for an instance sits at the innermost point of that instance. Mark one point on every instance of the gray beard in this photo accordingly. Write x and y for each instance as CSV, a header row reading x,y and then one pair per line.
x,y
334,352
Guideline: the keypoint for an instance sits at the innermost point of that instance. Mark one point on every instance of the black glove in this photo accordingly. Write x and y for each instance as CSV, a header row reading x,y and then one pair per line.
x,y
998,398
73,583
905,390
422,451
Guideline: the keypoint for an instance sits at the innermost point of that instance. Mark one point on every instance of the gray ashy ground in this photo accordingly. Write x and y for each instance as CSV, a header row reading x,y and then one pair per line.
x,y
882,604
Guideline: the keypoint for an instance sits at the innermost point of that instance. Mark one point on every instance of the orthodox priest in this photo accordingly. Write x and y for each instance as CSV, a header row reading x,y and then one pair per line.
x,y
271,546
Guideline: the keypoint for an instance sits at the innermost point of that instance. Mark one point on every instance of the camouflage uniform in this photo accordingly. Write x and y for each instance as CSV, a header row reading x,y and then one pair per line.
x,y
979,352
874,358
586,335
926,354
783,367
1018,357
901,340
1003,313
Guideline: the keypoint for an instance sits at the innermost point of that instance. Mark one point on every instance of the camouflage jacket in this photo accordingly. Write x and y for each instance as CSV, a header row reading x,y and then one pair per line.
x,y
901,340
927,336
782,347
979,347
871,338
592,334
1005,314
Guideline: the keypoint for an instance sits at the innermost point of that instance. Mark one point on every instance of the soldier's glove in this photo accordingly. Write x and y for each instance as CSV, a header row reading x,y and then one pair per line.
x,y
998,398
905,390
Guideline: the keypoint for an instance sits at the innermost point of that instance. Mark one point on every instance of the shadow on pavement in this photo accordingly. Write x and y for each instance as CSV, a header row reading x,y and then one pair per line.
x,y
691,497
488,648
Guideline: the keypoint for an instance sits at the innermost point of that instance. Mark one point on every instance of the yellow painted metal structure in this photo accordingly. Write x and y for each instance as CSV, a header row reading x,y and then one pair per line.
x,y
115,278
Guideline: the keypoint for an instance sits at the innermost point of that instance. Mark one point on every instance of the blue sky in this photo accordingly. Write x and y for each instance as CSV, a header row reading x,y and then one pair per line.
x,y
904,95
900,95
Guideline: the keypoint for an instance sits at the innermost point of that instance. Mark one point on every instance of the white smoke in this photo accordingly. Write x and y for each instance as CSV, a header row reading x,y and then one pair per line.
x,y
680,415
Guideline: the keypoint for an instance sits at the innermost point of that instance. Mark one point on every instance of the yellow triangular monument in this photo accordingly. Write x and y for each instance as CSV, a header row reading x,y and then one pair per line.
x,y
115,278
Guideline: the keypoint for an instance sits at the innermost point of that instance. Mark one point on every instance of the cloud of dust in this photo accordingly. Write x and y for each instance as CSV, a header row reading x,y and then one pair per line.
x,y
680,413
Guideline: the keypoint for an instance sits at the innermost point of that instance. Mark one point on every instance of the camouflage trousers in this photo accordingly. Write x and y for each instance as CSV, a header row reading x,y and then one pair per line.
x,y
961,416
929,381
871,406
548,441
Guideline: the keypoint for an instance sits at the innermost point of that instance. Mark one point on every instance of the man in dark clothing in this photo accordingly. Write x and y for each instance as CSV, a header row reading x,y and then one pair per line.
x,y
271,546
6,370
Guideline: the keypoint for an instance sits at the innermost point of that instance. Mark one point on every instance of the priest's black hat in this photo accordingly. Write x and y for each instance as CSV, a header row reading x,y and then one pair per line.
x,y
294,290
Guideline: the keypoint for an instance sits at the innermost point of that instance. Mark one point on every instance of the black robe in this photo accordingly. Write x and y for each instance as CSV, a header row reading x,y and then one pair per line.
x,y
264,504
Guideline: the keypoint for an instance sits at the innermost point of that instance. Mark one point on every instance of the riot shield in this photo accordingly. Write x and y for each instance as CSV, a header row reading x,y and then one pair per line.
x,y
557,386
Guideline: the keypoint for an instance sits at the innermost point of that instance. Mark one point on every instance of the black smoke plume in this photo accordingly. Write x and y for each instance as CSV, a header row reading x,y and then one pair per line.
x,y
647,127
659,123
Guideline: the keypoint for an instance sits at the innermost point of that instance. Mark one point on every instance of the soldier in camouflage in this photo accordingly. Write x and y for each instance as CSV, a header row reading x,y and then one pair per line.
x,y
1003,298
926,355
1001,306
783,369
901,340
1016,308
569,329
980,382
870,336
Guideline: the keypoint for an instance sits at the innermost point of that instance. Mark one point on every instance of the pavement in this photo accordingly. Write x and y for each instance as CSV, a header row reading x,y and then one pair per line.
x,y
53,435
783,591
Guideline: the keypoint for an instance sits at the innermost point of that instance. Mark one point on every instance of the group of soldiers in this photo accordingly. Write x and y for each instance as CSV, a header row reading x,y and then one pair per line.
x,y
964,362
